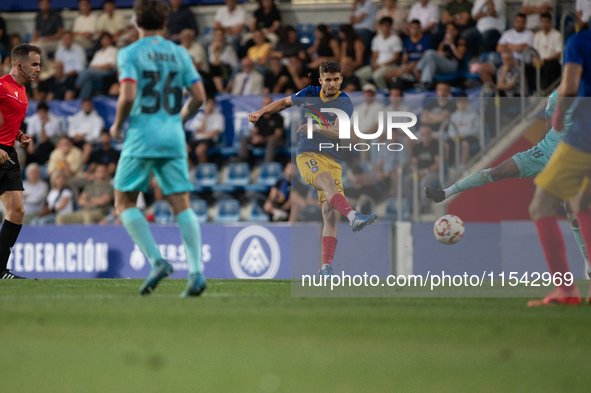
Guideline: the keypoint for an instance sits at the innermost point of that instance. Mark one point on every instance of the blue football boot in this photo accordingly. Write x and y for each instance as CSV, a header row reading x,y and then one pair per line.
x,y
361,221
160,270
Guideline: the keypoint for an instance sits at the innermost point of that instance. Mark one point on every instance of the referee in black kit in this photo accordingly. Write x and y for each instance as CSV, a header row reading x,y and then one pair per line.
x,y
26,65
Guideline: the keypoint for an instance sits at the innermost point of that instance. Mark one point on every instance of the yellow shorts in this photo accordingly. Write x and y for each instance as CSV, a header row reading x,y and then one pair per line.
x,y
566,173
313,164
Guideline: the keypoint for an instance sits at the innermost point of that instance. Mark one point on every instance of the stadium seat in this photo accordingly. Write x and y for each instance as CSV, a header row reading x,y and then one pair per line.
x,y
207,176
199,206
269,173
367,166
306,33
392,210
162,212
257,214
228,211
237,175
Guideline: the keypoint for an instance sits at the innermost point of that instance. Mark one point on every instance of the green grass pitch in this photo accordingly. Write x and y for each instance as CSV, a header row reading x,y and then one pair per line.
x,y
252,336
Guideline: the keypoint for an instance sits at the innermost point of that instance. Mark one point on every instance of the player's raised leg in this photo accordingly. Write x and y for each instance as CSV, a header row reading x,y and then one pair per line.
x,y
543,212
506,170
576,228
582,207
137,226
190,230
326,183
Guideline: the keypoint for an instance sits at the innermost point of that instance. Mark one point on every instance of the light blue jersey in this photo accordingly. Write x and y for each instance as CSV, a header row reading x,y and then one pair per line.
x,y
553,137
161,69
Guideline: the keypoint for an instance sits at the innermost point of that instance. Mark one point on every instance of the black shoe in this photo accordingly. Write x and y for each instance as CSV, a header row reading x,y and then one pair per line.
x,y
7,275
435,194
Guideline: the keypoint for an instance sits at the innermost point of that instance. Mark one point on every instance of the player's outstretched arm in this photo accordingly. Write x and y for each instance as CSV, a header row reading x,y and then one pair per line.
x,y
276,106
124,105
194,102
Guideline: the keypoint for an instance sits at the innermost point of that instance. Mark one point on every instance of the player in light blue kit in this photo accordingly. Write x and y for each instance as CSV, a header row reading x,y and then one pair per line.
x,y
152,74
525,164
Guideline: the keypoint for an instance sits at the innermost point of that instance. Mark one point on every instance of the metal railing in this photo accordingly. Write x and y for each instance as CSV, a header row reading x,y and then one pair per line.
x,y
523,81
497,102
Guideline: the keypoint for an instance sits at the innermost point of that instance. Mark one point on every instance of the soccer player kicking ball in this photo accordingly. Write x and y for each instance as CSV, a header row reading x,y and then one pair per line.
x,y
152,74
567,174
26,65
525,164
322,168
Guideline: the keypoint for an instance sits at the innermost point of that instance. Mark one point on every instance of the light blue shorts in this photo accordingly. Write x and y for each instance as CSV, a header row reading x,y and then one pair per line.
x,y
531,162
172,174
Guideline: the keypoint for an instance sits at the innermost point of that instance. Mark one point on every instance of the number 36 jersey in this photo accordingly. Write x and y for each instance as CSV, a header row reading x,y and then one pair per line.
x,y
161,69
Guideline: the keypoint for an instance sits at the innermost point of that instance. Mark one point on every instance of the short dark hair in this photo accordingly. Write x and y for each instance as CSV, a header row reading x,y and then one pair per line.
x,y
386,20
521,15
330,67
546,15
108,1
42,106
415,22
22,51
151,14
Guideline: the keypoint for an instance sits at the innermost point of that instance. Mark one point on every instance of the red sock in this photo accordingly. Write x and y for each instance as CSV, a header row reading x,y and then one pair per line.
x,y
553,245
329,245
585,224
340,203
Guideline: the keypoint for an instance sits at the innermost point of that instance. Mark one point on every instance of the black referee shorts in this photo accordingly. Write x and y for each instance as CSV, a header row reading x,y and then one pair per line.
x,y
11,178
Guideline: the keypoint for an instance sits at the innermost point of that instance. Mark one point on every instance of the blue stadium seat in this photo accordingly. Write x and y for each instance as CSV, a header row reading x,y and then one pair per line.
x,y
306,33
228,211
199,206
207,176
162,212
269,173
392,210
257,214
237,176
367,166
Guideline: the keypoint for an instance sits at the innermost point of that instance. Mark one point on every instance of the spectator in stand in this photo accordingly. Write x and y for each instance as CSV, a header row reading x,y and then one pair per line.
x,y
352,46
105,155
71,55
490,23
363,19
398,15
368,115
206,128
300,76
516,40
94,202
85,29
549,44
465,122
179,19
267,132
35,192
276,77
425,161
45,128
325,47
458,12
103,64
59,86
111,21
440,109
278,204
427,13
66,158
445,60
583,11
413,49
84,128
260,52
231,19
198,54
289,44
60,200
509,75
350,82
48,30
385,54
267,19
248,81
222,59
4,39
533,9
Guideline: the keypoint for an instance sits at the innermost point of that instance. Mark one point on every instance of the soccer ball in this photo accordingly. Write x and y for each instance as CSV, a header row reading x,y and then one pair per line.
x,y
449,229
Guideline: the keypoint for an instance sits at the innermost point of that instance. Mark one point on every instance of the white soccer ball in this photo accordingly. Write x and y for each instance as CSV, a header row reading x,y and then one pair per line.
x,y
449,229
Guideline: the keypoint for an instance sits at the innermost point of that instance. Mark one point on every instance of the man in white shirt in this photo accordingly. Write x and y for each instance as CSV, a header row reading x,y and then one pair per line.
x,y
111,21
363,17
44,128
206,127
103,64
549,44
71,55
490,23
35,192
466,125
84,128
516,39
196,51
386,48
427,13
533,9
368,114
248,81
231,19
583,10
85,25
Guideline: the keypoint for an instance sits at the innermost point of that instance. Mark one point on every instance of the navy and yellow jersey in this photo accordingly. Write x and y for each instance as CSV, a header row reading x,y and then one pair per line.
x,y
312,101
578,51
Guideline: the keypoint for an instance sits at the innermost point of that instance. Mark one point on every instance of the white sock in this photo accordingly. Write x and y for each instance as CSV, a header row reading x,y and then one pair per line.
x,y
448,192
351,215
